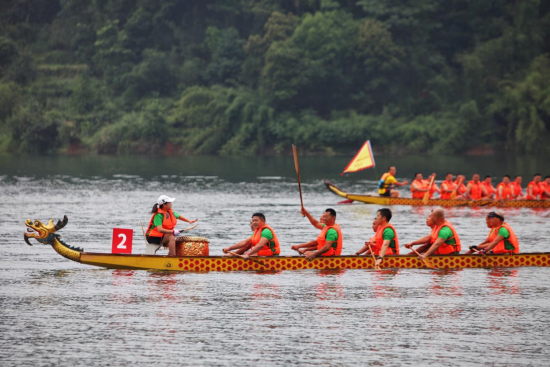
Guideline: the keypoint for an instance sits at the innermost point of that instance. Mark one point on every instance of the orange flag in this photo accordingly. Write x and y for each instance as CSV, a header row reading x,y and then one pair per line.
x,y
363,160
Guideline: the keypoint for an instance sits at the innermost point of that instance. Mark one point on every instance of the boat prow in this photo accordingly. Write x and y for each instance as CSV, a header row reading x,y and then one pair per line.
x,y
380,200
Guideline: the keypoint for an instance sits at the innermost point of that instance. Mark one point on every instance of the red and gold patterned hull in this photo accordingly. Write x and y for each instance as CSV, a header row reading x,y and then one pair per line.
x,y
224,263
379,200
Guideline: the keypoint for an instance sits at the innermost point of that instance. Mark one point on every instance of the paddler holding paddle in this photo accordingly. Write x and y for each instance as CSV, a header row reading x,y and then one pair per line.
x,y
330,240
501,238
263,242
448,187
419,186
545,189
517,191
385,240
475,190
442,241
161,229
388,182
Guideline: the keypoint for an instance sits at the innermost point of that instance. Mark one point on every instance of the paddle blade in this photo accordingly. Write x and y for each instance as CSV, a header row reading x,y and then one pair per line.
x,y
427,194
453,195
429,264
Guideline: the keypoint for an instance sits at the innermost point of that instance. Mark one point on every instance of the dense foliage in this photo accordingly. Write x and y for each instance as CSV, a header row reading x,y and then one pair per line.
x,y
251,77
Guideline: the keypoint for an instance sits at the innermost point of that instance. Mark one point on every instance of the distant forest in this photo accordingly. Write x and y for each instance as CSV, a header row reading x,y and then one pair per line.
x,y
244,77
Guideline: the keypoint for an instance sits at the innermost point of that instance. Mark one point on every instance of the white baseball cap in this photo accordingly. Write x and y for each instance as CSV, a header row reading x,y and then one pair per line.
x,y
163,199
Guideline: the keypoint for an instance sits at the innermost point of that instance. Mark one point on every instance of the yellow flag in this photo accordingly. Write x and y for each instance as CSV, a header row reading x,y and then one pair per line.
x,y
364,159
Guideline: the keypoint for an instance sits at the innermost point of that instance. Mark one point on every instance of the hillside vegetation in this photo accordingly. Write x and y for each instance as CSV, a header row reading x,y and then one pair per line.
x,y
244,77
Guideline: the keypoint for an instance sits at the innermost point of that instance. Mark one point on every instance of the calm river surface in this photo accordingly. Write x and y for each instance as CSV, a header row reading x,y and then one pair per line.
x,y
60,313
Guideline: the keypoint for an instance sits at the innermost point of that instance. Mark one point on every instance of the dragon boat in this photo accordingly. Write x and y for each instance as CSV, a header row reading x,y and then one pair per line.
x,y
193,256
380,200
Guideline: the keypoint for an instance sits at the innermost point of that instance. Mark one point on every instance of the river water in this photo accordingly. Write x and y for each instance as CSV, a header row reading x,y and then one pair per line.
x,y
58,312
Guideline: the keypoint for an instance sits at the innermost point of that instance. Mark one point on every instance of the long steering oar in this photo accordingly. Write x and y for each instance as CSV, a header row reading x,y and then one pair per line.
x,y
377,267
427,194
426,262
295,151
453,194
242,257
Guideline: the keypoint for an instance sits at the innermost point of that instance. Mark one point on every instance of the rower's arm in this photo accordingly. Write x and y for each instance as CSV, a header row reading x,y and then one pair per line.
x,y
494,243
384,248
500,188
258,247
422,241
363,249
434,247
324,249
311,245
397,183
530,192
238,245
468,190
183,219
314,222
414,185
164,230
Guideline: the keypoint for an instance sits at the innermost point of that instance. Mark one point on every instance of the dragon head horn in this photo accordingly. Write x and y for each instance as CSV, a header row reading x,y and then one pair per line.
x,y
61,223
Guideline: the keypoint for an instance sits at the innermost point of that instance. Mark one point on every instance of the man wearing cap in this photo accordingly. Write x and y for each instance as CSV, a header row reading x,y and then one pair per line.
x,y
442,241
330,240
501,238
161,229
263,242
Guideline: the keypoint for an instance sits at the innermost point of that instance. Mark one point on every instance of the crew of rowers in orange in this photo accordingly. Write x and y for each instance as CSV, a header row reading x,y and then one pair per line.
x,y
476,189
442,240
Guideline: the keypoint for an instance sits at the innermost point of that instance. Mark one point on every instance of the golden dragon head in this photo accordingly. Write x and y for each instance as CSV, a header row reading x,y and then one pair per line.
x,y
42,233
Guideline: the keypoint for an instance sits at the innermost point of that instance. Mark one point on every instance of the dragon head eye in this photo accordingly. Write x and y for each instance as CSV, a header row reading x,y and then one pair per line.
x,y
37,223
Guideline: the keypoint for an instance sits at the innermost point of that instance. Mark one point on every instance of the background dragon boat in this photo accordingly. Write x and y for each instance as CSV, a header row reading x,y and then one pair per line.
x,y
380,200
193,246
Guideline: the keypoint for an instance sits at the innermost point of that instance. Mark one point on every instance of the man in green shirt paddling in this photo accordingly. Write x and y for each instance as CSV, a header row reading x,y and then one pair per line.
x,y
328,243
262,242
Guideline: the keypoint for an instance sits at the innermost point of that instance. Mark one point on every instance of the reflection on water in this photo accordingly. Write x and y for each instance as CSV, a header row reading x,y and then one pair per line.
x,y
58,312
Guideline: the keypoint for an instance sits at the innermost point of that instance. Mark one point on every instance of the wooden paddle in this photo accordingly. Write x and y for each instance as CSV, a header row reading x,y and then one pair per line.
x,y
427,194
453,194
295,151
426,262
377,267
242,257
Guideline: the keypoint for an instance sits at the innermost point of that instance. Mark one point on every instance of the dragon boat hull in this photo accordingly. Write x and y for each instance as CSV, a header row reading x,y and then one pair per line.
x,y
45,234
380,200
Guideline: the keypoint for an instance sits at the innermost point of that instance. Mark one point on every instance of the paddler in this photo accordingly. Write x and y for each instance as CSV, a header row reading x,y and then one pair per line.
x,y
442,241
534,189
262,242
388,182
419,186
474,189
517,191
461,191
161,229
545,189
501,239
330,240
371,241
386,242
489,192
504,189
433,188
448,187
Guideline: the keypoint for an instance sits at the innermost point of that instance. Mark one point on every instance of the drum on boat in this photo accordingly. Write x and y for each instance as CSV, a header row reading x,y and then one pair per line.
x,y
192,246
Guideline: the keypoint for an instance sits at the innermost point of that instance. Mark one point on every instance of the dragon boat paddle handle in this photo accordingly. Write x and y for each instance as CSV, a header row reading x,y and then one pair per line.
x,y
377,267
242,257
427,194
426,262
295,152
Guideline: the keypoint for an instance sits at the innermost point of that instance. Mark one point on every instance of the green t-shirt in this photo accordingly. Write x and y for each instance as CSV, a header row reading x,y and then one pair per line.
x,y
389,234
332,235
446,234
158,219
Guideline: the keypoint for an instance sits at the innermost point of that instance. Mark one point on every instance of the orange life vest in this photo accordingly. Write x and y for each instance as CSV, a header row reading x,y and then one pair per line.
x,y
336,248
380,241
267,250
476,192
445,249
421,185
506,191
168,222
544,186
489,188
516,189
500,248
536,190
462,189
446,185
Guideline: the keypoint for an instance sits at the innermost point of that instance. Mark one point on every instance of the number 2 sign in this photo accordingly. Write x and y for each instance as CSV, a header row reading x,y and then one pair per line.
x,y
122,240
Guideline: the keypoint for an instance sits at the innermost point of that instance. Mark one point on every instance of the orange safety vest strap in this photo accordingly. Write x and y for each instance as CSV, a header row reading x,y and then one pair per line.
x,y
500,248
380,242
336,249
267,250
444,248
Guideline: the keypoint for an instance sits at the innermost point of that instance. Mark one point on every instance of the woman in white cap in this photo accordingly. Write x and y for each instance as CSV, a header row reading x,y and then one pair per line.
x,y
162,227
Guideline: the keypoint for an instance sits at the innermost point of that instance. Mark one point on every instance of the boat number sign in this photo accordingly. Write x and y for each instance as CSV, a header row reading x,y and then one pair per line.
x,y
122,240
